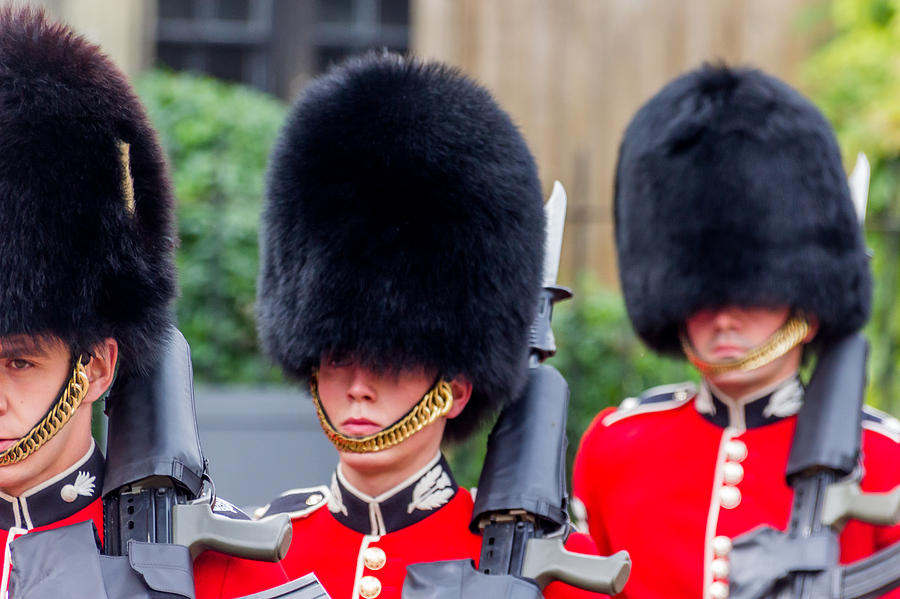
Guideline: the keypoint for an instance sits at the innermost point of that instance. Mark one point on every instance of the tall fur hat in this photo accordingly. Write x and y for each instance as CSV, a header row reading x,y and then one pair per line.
x,y
730,191
403,226
85,201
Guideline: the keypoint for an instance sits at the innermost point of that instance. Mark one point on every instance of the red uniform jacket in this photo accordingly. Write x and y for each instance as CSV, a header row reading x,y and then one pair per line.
x,y
675,475
360,546
74,496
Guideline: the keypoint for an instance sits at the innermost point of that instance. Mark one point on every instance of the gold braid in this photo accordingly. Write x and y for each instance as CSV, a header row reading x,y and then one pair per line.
x,y
435,404
73,394
786,338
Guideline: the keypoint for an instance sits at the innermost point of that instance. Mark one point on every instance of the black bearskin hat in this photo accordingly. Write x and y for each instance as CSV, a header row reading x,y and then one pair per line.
x,y
730,191
87,236
403,226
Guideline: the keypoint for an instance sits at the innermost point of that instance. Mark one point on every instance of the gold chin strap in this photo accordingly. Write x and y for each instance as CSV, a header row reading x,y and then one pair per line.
x,y
57,417
435,404
781,342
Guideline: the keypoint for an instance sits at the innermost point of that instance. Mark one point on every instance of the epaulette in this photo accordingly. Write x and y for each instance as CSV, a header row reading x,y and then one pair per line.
x,y
229,510
655,399
296,503
879,422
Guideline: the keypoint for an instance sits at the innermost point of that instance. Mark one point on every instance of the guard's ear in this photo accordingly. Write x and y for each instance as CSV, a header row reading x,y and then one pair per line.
x,y
462,392
101,369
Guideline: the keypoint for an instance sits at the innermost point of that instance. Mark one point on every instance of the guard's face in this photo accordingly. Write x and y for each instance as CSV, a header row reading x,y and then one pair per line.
x,y
360,402
729,333
32,373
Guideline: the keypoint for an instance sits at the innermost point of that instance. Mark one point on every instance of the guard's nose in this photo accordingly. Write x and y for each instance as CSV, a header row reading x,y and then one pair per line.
x,y
361,385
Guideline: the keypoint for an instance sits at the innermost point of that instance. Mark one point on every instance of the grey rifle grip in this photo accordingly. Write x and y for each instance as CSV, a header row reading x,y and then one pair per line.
x,y
845,500
547,560
198,529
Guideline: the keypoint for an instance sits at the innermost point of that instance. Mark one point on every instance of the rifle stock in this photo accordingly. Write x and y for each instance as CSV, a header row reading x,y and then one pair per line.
x,y
156,468
521,504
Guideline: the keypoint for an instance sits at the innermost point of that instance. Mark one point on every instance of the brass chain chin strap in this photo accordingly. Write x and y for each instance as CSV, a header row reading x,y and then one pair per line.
x,y
56,418
435,404
781,342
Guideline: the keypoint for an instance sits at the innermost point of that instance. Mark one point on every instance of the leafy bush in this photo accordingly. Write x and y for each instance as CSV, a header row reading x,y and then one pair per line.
x,y
855,78
217,137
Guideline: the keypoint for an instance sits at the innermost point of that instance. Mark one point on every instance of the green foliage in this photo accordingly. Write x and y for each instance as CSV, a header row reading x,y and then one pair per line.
x,y
855,78
603,362
217,137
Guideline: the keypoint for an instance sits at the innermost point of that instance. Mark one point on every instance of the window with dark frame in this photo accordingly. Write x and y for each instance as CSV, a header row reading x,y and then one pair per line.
x,y
264,43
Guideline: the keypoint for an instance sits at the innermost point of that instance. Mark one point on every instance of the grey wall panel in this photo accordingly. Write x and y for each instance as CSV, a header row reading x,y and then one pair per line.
x,y
260,442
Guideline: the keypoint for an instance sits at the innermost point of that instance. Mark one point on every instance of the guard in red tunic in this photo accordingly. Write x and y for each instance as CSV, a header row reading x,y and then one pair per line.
x,y
402,248
87,278
738,246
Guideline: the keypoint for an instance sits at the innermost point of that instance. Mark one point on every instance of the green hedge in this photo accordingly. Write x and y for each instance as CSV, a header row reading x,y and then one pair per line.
x,y
217,137
854,76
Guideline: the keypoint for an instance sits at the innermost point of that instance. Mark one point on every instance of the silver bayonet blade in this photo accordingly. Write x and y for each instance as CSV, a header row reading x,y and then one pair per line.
x,y
555,214
859,186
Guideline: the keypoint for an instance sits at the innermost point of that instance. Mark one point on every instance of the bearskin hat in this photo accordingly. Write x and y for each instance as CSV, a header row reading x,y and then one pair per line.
x,y
86,214
730,191
404,227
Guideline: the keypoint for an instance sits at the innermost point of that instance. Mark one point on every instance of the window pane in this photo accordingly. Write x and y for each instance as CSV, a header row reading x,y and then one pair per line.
x,y
334,11
176,9
233,10
226,63
395,12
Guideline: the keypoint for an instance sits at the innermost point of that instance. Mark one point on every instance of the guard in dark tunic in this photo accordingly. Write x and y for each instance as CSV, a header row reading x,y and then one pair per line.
x,y
401,250
739,247
87,250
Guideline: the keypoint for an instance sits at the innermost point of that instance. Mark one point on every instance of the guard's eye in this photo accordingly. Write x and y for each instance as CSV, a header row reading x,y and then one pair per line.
x,y
19,364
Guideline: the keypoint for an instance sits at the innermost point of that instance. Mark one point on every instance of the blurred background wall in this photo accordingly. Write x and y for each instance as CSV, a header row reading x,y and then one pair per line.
x,y
571,73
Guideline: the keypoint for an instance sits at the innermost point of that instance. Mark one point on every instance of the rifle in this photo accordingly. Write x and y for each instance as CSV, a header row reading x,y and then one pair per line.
x,y
822,470
158,515
521,504
156,470
803,562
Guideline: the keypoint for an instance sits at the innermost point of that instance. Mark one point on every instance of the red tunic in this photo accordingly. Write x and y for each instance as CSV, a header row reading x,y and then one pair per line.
x,y
73,496
358,544
674,476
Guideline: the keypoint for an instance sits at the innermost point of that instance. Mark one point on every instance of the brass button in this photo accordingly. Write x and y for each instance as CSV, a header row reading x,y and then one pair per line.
x,y
721,546
314,499
369,587
733,473
720,568
736,450
374,558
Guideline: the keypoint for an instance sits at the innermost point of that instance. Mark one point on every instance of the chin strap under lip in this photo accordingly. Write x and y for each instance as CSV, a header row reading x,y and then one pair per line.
x,y
433,405
70,398
786,338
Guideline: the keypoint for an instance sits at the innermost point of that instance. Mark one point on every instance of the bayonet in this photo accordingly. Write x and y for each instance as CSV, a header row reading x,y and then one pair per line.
x,y
555,215
541,343
521,505
859,186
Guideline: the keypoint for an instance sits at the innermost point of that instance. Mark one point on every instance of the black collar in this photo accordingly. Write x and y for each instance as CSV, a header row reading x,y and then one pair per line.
x,y
765,407
409,502
53,500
